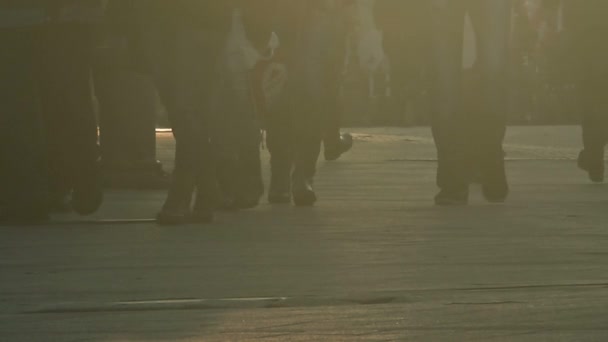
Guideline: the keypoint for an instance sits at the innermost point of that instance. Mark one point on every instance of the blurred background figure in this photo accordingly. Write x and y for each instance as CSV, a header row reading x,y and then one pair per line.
x,y
469,140
312,35
405,38
587,58
181,42
49,154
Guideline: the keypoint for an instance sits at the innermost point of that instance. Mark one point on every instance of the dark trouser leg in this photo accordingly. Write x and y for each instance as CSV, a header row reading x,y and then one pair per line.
x,y
128,106
22,156
491,19
237,141
332,63
595,118
280,140
332,119
71,127
454,135
185,61
308,113
250,171
225,139
314,90
308,134
447,25
595,129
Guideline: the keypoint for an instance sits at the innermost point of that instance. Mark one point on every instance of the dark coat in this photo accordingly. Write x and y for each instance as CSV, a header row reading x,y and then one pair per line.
x,y
24,13
210,14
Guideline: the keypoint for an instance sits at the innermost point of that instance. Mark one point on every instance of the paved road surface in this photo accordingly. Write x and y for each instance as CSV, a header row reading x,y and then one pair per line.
x,y
374,261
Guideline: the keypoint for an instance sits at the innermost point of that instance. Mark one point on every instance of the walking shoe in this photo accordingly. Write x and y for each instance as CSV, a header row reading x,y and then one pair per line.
x,y
333,151
447,198
593,163
303,193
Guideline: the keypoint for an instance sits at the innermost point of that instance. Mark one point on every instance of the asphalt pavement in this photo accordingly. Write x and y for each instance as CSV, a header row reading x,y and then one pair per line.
x,y
373,261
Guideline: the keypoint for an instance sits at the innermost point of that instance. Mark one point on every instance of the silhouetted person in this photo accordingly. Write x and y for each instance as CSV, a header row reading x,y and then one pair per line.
x,y
66,54
50,137
237,128
311,55
22,164
183,41
469,142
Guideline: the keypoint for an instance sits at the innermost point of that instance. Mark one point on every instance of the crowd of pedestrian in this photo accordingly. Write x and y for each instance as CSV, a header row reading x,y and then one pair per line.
x,y
226,70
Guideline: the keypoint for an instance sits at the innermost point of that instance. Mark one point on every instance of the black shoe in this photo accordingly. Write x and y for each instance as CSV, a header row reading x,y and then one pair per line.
x,y
494,185
452,198
593,163
333,151
303,193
